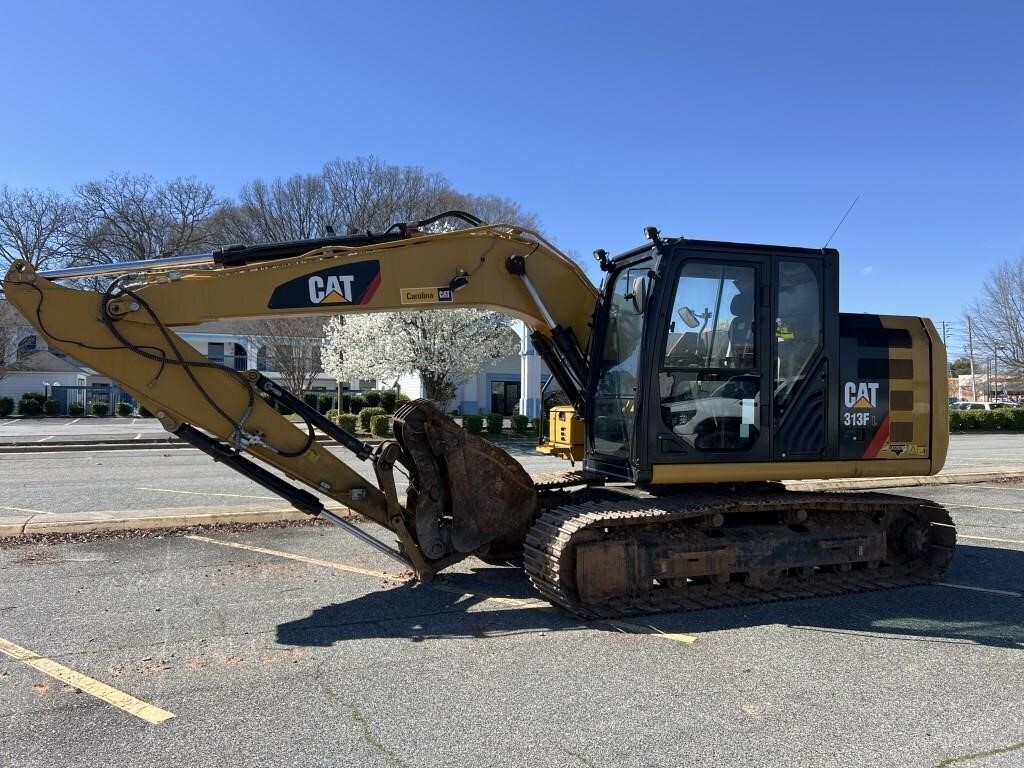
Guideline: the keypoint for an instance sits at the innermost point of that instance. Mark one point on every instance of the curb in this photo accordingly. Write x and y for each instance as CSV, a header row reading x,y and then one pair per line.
x,y
16,530
206,519
91,446
870,483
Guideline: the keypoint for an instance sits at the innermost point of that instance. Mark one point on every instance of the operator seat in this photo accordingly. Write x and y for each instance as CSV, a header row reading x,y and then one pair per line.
x,y
741,332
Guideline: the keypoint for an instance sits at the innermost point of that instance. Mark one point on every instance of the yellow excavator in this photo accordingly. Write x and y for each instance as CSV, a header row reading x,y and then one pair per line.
x,y
700,375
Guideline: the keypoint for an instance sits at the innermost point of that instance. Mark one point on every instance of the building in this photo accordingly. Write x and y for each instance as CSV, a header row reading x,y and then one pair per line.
x,y
507,386
39,370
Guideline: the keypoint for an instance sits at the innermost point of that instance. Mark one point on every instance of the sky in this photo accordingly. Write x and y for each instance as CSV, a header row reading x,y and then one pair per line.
x,y
741,121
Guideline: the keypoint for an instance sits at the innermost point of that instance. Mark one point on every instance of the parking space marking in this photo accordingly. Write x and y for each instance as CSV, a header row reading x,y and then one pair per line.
x,y
103,692
30,511
998,487
651,630
975,506
300,558
989,538
511,602
540,604
977,589
204,493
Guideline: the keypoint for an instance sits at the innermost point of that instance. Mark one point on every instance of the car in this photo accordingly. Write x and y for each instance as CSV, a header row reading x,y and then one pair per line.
x,y
722,420
974,406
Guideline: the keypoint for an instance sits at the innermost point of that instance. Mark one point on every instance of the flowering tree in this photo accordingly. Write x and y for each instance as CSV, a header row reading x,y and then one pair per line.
x,y
445,347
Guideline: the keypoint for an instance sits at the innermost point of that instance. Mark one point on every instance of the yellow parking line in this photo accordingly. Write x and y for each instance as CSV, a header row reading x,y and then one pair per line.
x,y
544,605
203,493
299,558
650,629
989,538
511,602
101,691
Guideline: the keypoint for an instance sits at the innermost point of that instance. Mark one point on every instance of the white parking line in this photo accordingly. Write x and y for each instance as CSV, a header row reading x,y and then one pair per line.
x,y
48,437
203,493
1019,489
989,538
978,589
30,511
71,423
975,506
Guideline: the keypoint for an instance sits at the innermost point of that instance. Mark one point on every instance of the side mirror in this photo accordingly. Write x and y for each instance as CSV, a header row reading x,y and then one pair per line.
x,y
641,292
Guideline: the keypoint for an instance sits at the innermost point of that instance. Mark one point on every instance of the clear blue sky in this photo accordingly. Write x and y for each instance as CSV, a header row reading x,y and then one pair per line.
x,y
748,121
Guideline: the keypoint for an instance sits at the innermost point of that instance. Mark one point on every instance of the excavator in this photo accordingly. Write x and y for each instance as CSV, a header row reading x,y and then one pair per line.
x,y
700,376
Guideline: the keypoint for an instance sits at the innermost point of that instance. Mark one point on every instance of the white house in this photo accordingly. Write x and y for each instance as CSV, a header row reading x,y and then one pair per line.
x,y
39,371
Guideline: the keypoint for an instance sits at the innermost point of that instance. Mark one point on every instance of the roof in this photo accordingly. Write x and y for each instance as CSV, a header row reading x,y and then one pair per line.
x,y
42,361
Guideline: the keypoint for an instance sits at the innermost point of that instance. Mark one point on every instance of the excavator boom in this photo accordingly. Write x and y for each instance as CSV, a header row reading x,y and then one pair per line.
x,y
465,495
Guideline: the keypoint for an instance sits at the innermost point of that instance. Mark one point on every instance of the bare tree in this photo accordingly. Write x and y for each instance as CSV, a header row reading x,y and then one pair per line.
x,y
292,348
367,194
492,209
34,226
129,218
10,324
291,209
997,315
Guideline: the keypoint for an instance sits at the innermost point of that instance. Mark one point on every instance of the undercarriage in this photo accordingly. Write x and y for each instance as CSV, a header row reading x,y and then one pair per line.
x,y
605,551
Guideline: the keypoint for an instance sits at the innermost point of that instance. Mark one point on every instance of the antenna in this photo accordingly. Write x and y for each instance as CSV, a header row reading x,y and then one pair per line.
x,y
841,221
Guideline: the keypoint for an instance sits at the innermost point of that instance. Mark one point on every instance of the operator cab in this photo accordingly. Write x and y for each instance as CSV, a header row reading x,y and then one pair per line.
x,y
713,353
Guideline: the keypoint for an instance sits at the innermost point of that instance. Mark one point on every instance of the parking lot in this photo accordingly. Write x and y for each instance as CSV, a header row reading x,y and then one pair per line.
x,y
299,646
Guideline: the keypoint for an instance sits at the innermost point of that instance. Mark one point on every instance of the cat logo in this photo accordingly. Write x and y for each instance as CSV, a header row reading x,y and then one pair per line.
x,y
330,289
860,394
340,285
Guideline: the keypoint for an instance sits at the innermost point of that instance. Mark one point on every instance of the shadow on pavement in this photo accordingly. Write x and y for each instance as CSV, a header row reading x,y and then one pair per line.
x,y
917,614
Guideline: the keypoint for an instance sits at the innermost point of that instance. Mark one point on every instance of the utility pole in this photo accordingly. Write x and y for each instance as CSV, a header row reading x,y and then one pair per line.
x,y
970,352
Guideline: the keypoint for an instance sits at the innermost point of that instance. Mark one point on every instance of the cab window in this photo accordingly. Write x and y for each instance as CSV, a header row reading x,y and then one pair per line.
x,y
709,381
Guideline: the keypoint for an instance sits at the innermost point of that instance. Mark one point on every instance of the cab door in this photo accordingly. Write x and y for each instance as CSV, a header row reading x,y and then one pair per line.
x,y
712,362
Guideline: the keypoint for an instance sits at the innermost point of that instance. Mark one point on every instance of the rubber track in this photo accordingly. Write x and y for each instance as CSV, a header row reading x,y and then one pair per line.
x,y
551,539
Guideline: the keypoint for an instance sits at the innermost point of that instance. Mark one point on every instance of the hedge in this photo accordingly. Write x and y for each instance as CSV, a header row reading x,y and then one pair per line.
x,y
348,422
495,423
1001,418
473,424
366,414
389,400
6,406
99,408
76,410
124,409
29,406
520,424
51,407
372,398
380,425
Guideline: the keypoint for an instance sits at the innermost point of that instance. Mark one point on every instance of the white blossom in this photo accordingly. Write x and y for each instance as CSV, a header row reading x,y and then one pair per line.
x,y
445,347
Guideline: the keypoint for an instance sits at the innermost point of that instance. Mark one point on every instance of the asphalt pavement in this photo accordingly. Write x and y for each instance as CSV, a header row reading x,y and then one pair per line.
x,y
163,487
301,647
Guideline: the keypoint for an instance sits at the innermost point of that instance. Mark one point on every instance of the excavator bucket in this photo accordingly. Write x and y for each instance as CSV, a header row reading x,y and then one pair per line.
x,y
466,495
